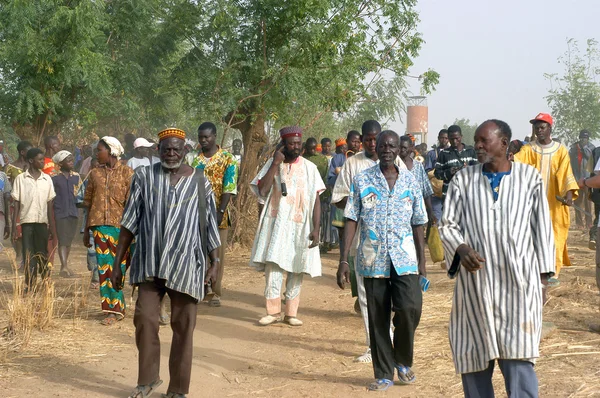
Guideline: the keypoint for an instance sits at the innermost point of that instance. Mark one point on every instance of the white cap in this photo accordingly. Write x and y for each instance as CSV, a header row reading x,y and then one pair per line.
x,y
142,143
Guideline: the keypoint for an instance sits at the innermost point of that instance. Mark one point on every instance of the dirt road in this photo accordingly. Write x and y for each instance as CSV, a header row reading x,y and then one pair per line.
x,y
77,357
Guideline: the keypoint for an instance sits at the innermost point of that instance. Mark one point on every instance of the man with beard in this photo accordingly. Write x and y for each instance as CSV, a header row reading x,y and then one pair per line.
x,y
498,297
171,210
353,166
287,238
551,159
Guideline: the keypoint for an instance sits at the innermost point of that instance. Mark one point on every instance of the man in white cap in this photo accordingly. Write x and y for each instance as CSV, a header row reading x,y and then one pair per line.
x,y
142,155
66,215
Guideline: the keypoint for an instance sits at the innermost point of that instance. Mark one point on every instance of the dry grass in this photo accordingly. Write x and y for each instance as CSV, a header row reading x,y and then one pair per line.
x,y
24,313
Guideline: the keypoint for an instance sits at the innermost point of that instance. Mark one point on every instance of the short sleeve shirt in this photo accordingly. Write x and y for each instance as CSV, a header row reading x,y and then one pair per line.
x,y
33,195
66,189
386,220
420,175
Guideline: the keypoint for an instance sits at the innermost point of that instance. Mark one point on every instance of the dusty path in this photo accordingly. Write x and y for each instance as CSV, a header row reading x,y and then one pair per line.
x,y
77,357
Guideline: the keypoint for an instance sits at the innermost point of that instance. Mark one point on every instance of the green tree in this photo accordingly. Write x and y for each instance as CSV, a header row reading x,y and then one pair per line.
x,y
574,96
468,130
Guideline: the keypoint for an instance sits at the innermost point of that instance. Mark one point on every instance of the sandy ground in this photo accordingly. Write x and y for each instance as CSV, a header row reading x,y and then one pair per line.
x,y
78,357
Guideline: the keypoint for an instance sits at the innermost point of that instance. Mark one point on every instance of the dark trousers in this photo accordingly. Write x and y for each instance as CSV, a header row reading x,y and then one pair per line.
x,y
520,380
404,293
594,228
35,250
183,322
583,201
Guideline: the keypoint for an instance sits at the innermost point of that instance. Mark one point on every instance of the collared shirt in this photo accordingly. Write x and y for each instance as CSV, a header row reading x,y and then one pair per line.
x,y
386,220
106,194
450,158
165,219
221,170
33,195
66,192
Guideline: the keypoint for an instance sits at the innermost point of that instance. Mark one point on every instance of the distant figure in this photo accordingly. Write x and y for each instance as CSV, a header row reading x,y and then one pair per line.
x,y
326,148
451,160
52,145
33,193
5,158
581,154
85,166
129,140
551,159
236,150
322,164
498,296
142,155
287,240
513,148
66,214
437,200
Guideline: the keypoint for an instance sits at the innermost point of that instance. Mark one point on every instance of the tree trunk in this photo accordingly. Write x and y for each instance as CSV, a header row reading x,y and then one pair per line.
x,y
245,207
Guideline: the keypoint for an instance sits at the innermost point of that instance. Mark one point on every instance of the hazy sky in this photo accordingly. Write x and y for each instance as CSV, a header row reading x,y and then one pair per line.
x,y
492,56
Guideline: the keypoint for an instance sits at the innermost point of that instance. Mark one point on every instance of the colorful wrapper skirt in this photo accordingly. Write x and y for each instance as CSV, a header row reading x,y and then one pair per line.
x,y
106,239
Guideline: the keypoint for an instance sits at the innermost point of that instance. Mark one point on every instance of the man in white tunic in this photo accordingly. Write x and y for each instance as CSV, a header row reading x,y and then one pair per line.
x,y
499,244
354,166
287,240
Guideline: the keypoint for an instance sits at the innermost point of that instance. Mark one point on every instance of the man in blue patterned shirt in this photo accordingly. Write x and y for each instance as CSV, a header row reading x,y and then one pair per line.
x,y
389,204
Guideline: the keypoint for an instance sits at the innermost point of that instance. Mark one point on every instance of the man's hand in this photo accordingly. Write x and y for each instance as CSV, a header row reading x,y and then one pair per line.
x,y
6,231
219,218
470,259
13,234
86,238
343,274
569,198
212,273
455,170
581,183
117,276
314,238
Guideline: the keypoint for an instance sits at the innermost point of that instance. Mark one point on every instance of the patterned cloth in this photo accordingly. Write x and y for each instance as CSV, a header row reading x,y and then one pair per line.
x,y
166,221
50,167
106,239
286,221
450,158
497,311
386,220
221,170
106,193
5,188
418,171
495,179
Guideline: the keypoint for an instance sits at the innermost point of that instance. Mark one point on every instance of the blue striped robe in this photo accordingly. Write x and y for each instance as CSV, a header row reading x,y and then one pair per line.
x,y
165,220
497,312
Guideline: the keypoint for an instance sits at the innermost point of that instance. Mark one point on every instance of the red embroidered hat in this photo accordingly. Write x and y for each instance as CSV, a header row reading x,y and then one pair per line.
x,y
542,117
290,131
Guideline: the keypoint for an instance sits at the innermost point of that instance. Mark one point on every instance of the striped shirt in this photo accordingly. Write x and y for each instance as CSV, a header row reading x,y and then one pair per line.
x,y
165,220
450,158
497,311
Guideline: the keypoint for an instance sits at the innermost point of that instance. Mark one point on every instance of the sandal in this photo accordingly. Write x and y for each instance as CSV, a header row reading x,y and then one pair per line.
x,y
143,391
405,375
364,358
380,385
214,302
553,282
164,319
94,285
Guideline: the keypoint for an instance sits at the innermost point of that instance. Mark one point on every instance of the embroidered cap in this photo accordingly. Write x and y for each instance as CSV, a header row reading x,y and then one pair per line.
x,y
171,133
290,131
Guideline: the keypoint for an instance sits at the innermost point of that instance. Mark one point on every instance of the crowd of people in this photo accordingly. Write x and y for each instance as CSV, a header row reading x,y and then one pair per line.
x,y
160,211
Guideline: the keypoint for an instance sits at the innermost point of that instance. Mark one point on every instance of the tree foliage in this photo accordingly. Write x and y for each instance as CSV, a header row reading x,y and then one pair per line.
x,y
574,96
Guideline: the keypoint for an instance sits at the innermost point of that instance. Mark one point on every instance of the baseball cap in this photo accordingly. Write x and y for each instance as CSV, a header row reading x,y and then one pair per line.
x,y
142,143
542,117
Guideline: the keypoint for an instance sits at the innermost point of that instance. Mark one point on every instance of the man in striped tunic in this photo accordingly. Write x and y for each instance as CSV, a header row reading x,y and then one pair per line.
x,y
163,212
499,244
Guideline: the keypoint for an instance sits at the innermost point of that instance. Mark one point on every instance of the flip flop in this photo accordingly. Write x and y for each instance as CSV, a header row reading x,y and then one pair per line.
x,y
380,385
405,375
143,391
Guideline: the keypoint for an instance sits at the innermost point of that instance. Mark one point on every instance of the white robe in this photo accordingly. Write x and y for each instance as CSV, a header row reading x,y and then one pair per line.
x,y
286,221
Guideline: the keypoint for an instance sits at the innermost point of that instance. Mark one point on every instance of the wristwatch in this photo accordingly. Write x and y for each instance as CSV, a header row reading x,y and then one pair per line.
x,y
222,211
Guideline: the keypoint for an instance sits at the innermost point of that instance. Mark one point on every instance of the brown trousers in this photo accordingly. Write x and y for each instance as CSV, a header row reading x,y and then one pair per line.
x,y
183,322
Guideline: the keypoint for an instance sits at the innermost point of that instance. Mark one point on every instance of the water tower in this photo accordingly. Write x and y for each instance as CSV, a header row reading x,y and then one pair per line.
x,y
417,118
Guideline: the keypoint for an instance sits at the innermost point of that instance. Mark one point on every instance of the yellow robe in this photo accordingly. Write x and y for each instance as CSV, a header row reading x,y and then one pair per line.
x,y
553,163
